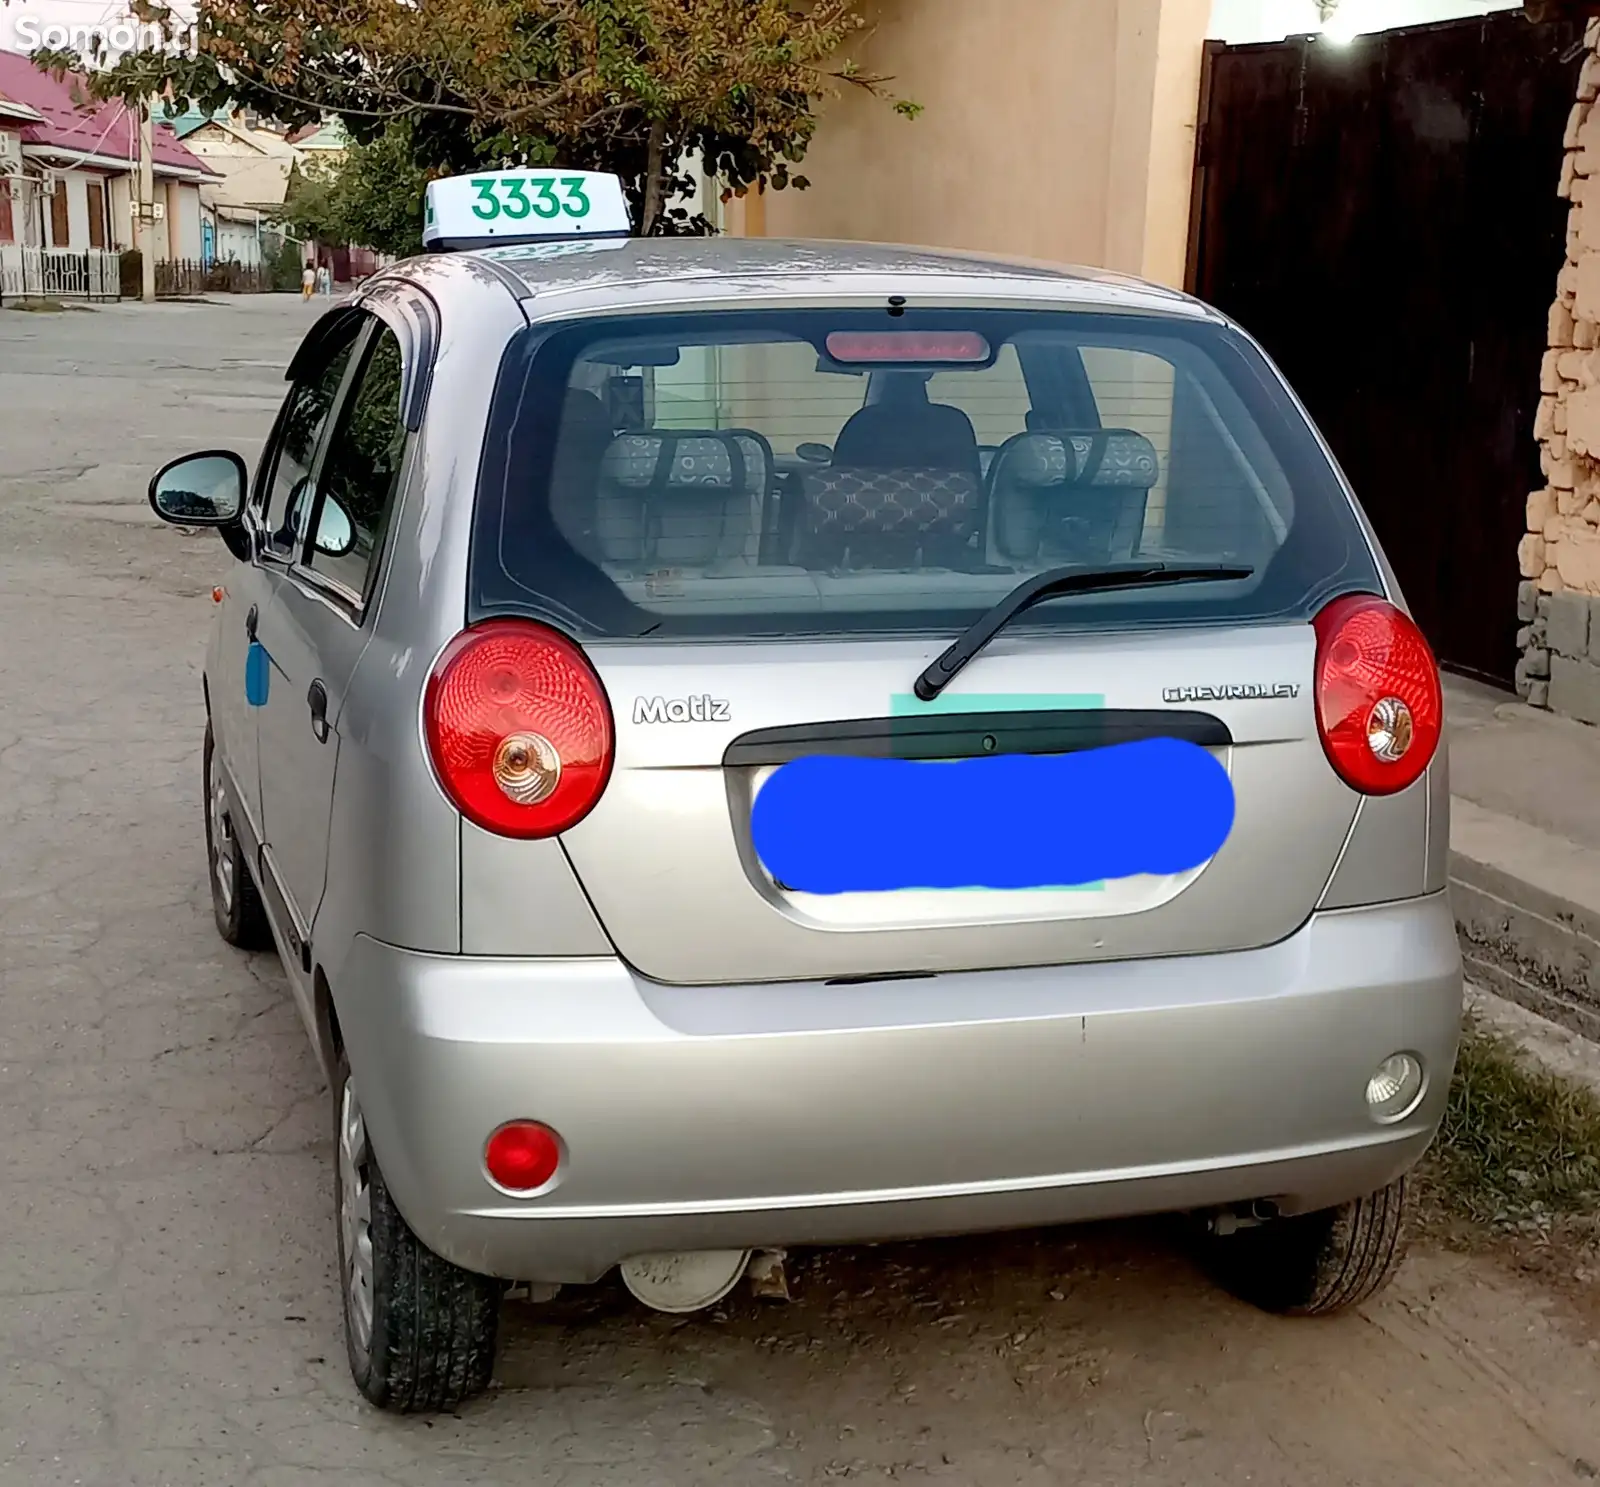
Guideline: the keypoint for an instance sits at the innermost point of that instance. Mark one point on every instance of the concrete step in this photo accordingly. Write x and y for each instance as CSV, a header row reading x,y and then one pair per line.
x,y
1527,902
1556,1050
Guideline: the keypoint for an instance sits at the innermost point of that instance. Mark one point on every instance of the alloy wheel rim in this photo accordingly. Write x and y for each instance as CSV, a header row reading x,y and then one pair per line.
x,y
221,841
355,1219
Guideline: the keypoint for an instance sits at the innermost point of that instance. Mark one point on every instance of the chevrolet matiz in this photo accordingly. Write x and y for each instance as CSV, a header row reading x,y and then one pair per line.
x,y
746,744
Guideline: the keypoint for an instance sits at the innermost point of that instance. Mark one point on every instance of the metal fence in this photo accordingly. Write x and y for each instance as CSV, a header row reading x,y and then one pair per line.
x,y
186,276
96,274
58,273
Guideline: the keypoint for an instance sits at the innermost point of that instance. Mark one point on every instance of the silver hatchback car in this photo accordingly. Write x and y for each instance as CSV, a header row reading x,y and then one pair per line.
x,y
745,744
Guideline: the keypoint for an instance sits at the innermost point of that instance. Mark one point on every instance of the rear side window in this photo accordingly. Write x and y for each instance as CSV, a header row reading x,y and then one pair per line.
x,y
360,471
843,472
289,497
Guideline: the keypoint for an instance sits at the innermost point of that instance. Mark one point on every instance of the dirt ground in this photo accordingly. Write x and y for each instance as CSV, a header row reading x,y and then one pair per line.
x,y
1099,1357
168,1312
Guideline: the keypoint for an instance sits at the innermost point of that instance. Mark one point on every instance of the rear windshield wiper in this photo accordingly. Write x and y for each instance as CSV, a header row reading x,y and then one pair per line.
x,y
1051,584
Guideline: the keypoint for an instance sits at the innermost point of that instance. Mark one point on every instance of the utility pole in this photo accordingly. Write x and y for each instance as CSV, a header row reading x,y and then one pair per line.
x,y
146,238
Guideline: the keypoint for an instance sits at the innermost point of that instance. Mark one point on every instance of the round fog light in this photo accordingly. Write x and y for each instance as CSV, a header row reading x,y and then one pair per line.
x,y
1393,1091
522,1156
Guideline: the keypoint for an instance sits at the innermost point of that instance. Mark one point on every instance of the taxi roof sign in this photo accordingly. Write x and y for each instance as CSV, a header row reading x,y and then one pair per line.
x,y
522,206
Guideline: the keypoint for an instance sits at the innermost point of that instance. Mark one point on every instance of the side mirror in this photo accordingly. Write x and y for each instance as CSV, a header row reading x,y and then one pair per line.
x,y
814,454
297,515
335,534
200,490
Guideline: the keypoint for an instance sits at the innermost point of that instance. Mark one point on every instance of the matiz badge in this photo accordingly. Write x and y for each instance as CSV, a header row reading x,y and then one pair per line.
x,y
681,710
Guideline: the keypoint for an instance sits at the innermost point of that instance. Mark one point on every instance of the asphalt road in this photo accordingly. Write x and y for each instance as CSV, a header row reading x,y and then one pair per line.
x,y
168,1311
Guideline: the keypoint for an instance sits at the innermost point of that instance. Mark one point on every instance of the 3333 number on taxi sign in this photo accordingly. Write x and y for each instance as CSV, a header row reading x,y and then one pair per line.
x,y
518,197
525,205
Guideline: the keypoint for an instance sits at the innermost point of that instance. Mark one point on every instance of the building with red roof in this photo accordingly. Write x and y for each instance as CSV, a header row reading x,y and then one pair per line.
x,y
68,169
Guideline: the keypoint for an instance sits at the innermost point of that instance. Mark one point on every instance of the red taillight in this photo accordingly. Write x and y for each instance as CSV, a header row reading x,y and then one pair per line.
x,y
1380,709
522,1155
519,729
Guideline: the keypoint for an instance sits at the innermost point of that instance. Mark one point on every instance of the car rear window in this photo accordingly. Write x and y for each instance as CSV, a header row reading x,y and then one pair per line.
x,y
816,472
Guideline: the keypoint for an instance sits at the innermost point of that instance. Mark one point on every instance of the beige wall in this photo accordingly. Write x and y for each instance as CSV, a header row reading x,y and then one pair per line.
x,y
1057,129
190,242
173,195
178,234
122,227
161,232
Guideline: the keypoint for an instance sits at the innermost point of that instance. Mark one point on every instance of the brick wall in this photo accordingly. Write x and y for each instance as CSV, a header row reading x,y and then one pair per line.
x,y
1559,600
1560,667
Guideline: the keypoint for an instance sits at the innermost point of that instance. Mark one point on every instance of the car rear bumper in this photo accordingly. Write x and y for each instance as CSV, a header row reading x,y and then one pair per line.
x,y
749,1116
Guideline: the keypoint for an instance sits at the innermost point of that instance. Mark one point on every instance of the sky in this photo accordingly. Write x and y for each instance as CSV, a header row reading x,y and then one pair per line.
x,y
22,21
1272,20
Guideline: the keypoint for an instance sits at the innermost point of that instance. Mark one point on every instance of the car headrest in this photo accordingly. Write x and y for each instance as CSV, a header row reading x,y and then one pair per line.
x,y
584,432
681,498
668,460
908,435
1109,457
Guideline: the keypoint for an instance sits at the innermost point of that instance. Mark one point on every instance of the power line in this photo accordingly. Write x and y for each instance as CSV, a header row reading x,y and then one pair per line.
x,y
94,149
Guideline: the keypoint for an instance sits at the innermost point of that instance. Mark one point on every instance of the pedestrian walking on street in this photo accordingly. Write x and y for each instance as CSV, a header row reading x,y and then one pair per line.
x,y
308,282
324,280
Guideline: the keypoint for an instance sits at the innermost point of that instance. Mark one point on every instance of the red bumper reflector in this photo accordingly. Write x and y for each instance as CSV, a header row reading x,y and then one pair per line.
x,y
522,1156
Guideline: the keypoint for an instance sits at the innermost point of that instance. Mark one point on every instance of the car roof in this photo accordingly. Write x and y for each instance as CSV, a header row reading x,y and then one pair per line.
x,y
621,273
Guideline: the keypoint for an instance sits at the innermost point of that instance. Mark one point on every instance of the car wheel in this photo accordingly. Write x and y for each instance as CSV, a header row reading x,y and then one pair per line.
x,y
1317,1263
420,1331
235,901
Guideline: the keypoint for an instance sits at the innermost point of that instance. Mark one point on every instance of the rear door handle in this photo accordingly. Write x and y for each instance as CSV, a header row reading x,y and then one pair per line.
x,y
251,620
317,700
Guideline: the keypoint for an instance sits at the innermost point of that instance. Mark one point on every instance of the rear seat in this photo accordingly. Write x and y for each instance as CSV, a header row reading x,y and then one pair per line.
x,y
1072,496
682,499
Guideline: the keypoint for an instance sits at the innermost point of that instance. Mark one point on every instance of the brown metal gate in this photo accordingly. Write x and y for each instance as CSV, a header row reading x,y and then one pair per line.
x,y
1383,217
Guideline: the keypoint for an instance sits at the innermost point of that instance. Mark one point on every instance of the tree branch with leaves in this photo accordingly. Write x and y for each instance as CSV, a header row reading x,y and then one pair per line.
x,y
633,87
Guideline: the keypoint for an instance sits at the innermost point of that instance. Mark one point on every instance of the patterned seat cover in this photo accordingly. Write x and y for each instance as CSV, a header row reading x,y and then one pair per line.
x,y
855,517
1073,496
681,499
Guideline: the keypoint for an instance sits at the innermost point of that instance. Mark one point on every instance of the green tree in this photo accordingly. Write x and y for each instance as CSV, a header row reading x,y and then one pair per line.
x,y
372,197
444,86
309,211
378,193
286,265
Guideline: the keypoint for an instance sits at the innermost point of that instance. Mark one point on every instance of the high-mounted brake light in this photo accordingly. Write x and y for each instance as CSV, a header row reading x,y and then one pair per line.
x,y
1380,708
519,729
909,347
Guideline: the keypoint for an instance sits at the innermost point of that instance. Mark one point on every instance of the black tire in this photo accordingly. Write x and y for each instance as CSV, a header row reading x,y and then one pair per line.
x,y
1317,1263
431,1340
241,919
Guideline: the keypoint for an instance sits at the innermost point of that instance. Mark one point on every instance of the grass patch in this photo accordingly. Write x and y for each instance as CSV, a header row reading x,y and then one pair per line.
x,y
1519,1152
